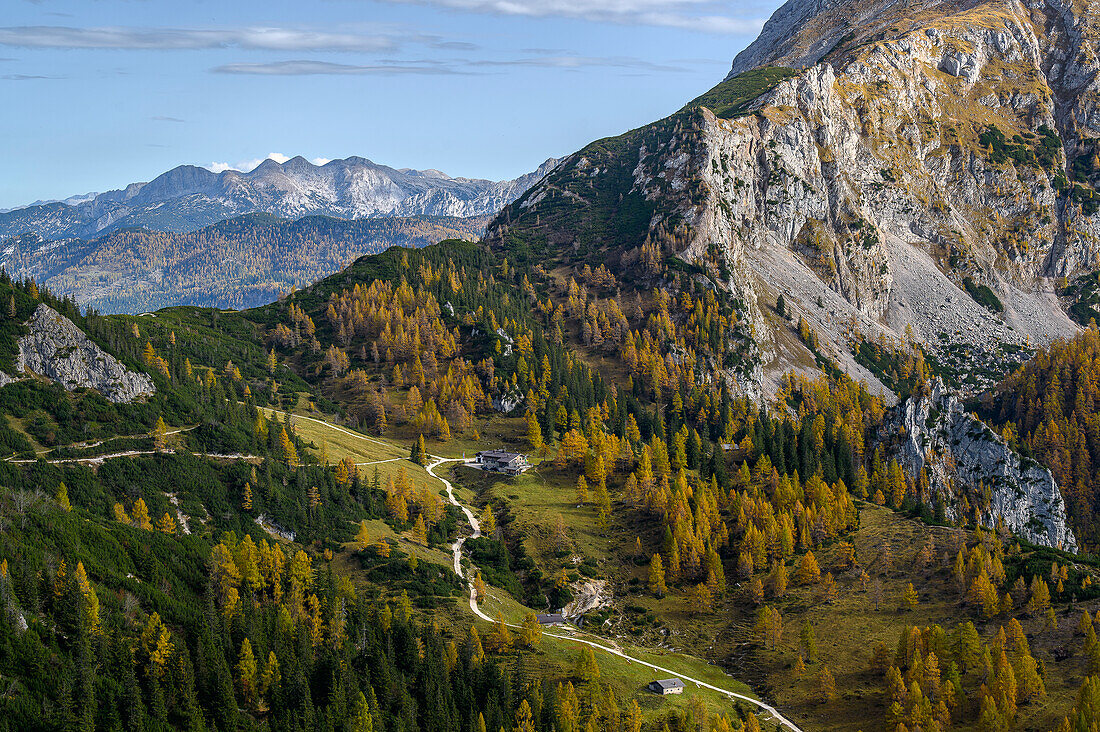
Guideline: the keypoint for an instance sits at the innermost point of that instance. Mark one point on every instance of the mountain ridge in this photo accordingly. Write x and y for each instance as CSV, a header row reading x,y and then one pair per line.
x,y
188,197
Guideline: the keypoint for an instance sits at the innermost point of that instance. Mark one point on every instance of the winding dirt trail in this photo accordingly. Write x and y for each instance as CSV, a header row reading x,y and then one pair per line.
x,y
456,549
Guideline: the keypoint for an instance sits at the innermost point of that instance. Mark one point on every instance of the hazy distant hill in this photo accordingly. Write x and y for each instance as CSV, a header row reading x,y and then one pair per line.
x,y
242,262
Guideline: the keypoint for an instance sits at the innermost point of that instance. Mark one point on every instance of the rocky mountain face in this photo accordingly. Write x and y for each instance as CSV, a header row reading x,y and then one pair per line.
x,y
187,198
974,471
55,348
910,173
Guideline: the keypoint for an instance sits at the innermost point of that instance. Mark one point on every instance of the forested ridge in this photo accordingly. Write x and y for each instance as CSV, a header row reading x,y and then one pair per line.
x,y
238,263
1049,409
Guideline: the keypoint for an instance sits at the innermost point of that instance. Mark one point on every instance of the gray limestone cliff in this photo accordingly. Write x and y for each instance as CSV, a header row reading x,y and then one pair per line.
x,y
55,348
964,458
922,172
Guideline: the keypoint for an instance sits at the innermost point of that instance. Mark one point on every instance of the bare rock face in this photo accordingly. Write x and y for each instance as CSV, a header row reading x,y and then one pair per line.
x,y
57,349
924,173
965,459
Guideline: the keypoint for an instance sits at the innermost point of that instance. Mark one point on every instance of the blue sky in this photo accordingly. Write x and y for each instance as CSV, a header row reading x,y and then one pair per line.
x,y
100,93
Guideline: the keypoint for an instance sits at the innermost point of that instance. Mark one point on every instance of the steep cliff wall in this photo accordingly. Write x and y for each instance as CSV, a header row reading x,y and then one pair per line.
x,y
964,459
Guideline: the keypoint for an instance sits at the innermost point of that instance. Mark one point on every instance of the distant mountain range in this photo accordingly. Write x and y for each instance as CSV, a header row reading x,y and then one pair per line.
x,y
188,198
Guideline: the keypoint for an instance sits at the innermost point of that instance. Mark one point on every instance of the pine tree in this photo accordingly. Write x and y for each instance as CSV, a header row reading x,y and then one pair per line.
x,y
1085,623
89,607
587,669
657,577
1040,595
808,571
62,497
246,497
534,432
286,449
341,475
488,521
360,720
809,643
362,538
530,631
420,530
246,673
140,515
160,435
502,637
419,453
909,599
524,719
166,524
778,580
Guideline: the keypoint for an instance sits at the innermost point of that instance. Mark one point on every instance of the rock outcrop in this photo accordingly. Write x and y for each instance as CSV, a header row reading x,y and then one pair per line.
x,y
966,461
55,348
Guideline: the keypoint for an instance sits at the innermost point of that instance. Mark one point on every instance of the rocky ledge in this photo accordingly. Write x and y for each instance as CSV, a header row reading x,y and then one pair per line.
x,y
55,348
966,460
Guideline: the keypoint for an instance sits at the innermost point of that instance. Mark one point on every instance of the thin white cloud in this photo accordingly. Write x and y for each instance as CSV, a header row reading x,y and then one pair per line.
x,y
320,161
567,62
574,62
697,15
131,38
246,166
310,68
164,118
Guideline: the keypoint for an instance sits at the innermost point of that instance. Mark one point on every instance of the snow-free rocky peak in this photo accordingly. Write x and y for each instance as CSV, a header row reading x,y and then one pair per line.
x,y
55,348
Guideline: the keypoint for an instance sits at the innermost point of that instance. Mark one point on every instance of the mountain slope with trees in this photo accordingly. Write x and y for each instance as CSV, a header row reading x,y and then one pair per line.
x,y
242,262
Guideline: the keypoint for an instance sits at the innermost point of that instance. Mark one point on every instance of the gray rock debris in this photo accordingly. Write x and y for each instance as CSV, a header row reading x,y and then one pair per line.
x,y
956,448
57,349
